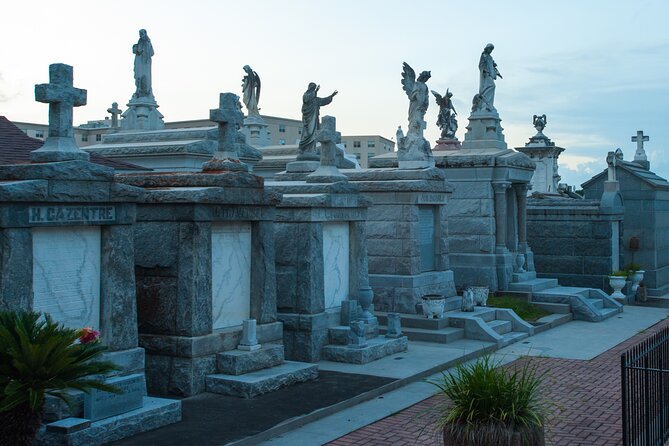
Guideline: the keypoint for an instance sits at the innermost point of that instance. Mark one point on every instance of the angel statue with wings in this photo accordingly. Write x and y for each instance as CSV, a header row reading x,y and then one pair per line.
x,y
251,91
419,97
446,119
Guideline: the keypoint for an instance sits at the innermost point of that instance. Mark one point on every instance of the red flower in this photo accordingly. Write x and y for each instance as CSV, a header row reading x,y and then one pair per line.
x,y
87,335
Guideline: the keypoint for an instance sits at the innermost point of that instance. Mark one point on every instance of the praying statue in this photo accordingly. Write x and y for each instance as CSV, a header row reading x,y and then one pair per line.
x,y
419,98
311,105
143,51
446,119
251,91
488,74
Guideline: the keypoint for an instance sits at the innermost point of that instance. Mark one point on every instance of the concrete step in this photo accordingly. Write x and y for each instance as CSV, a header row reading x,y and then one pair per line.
x,y
376,348
261,381
553,308
487,314
442,336
597,303
534,285
609,312
511,337
239,362
501,327
415,321
522,277
552,321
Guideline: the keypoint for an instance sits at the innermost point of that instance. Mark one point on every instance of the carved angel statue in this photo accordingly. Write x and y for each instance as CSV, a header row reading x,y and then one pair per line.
x,y
251,91
446,119
418,95
539,122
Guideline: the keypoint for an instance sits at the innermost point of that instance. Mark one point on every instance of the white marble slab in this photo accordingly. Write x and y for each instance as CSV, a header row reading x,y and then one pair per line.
x,y
66,274
230,273
335,263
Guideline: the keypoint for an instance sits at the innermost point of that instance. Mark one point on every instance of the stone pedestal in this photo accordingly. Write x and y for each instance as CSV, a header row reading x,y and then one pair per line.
x,y
447,144
142,114
255,129
204,264
484,131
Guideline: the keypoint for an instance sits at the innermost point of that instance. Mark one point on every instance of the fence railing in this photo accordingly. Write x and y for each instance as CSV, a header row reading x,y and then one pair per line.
x,y
645,391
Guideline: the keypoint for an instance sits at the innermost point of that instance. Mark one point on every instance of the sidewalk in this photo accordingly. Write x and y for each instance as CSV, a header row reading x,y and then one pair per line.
x,y
582,361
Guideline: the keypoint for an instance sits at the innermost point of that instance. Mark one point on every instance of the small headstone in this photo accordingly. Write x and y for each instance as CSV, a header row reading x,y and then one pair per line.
x,y
394,326
356,337
249,340
349,311
99,404
230,119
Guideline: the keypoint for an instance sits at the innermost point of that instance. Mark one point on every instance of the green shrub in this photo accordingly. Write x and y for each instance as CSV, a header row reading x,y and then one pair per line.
x,y
40,357
523,309
619,273
487,404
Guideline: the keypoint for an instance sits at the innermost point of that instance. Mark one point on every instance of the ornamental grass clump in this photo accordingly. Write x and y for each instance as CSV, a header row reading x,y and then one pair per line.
x,y
41,357
491,406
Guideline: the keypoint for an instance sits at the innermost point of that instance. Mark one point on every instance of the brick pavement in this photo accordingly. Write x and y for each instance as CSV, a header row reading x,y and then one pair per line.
x,y
585,394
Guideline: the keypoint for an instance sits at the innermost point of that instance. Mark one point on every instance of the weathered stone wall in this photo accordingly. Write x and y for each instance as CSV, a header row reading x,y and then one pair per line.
x,y
571,241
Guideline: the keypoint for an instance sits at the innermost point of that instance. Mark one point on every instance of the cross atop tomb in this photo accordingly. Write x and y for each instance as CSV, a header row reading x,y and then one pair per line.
x,y
327,172
328,130
115,111
639,139
62,97
230,119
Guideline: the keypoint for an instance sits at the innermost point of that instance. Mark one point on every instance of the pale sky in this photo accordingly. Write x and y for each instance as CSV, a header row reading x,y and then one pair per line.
x,y
599,69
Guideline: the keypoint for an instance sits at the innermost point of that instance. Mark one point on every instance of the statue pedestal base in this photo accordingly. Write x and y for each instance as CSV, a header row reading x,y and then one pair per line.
x,y
419,164
58,148
229,164
484,132
326,174
256,132
142,114
447,144
302,166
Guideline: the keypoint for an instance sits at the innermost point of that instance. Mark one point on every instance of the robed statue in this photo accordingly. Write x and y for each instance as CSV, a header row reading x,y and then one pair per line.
x,y
446,119
311,105
419,98
488,73
143,51
251,91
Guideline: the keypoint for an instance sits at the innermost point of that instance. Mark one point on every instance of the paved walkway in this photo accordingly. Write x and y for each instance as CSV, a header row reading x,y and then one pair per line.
x,y
585,394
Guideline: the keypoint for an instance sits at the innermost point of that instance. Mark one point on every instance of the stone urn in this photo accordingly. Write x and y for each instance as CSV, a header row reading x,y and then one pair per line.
x,y
520,263
481,295
637,277
365,297
617,283
433,306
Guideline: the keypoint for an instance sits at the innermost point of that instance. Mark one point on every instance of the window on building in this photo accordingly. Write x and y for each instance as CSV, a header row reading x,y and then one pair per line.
x,y
98,137
39,134
370,143
282,128
84,138
344,145
282,142
356,144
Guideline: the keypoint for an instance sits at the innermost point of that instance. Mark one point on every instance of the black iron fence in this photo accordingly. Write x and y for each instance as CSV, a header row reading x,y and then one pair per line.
x,y
645,391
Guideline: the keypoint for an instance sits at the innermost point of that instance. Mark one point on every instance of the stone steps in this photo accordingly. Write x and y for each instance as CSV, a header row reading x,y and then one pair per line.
x,y
439,336
585,303
262,381
511,337
376,348
501,327
534,285
554,308
597,303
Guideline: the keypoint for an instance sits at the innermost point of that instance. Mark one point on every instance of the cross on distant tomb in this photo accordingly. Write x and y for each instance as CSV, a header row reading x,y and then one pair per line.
x,y
230,118
639,139
62,97
115,111
327,172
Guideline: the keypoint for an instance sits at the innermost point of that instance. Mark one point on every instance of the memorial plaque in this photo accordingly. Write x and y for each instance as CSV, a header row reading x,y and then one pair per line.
x,y
426,237
335,263
99,404
71,214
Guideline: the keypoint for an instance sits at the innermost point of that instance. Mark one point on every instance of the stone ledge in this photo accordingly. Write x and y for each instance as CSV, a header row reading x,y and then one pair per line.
x,y
262,381
155,413
239,362
376,349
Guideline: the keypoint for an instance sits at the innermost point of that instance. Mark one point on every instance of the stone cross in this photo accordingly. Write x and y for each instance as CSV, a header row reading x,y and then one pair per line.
x,y
639,139
115,111
327,172
62,97
230,119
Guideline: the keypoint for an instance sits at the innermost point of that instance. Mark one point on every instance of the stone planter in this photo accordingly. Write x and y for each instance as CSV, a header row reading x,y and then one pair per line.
x,y
481,295
636,277
617,283
515,438
433,306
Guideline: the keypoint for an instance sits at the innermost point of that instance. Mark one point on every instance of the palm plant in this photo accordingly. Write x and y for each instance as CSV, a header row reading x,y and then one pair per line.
x,y
491,406
40,357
